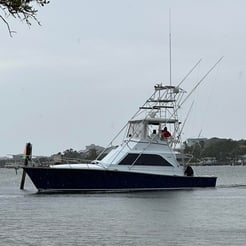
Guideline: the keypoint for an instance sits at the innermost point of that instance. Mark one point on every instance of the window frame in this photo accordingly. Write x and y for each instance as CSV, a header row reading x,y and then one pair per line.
x,y
137,159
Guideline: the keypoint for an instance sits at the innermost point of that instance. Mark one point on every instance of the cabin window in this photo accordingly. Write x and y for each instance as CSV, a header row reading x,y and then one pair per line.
x,y
144,160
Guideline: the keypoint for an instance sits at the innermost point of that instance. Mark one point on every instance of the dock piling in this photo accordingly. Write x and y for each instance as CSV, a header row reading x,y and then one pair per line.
x,y
28,157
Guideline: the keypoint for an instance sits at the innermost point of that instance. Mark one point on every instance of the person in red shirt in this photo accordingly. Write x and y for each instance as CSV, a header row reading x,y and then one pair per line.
x,y
165,133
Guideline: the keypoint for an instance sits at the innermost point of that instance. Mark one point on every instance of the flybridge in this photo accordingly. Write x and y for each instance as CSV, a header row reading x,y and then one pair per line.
x,y
160,110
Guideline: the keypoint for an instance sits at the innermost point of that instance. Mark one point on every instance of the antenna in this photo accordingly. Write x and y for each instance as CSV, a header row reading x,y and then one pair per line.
x,y
170,48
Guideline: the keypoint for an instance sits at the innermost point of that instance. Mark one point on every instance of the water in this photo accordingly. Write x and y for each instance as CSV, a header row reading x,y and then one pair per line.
x,y
179,217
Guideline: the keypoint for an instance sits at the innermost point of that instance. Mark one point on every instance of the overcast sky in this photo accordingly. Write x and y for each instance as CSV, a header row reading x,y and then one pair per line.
x,y
79,77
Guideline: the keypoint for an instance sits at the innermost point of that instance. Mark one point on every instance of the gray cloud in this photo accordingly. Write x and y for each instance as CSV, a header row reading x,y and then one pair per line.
x,y
78,78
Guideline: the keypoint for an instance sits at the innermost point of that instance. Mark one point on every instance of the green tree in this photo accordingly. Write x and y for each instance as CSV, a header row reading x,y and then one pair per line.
x,y
20,9
72,154
224,150
92,155
195,150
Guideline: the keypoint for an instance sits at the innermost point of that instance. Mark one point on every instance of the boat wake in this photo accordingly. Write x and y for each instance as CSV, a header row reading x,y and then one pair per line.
x,y
243,186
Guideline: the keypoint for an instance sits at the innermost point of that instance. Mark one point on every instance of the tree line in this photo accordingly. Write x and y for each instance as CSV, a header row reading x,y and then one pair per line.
x,y
221,150
224,151
91,154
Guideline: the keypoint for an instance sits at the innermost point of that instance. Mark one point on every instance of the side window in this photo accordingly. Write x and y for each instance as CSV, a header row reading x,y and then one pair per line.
x,y
144,160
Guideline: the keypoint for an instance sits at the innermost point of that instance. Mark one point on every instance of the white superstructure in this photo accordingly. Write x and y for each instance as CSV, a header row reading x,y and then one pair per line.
x,y
144,149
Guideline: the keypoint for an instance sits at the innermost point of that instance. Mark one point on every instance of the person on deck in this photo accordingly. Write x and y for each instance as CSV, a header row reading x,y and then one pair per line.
x,y
154,135
165,133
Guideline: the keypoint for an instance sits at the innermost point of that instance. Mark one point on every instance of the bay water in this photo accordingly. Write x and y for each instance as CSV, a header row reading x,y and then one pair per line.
x,y
210,216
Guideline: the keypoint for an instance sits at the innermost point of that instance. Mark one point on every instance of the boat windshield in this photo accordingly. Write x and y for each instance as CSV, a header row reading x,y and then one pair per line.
x,y
143,129
136,130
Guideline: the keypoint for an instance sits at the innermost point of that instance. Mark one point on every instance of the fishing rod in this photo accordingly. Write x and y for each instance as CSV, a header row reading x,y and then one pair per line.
x,y
185,77
189,72
193,150
197,84
201,80
186,118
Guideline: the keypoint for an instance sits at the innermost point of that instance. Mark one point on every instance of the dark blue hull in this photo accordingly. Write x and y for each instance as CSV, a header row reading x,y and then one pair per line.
x,y
54,179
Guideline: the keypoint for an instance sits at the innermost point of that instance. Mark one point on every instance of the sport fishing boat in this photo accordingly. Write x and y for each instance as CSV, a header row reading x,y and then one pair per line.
x,y
146,159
